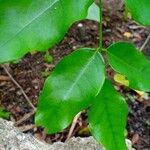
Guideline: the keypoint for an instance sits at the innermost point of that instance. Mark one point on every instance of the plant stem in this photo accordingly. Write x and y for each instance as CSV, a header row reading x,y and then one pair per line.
x,y
5,67
145,43
100,27
125,13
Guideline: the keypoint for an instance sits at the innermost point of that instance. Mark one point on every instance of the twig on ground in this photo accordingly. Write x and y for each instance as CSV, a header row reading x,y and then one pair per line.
x,y
26,128
25,117
4,78
17,84
73,126
145,43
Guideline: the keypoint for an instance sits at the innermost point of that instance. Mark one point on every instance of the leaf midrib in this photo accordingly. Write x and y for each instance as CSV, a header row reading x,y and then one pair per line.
x,y
79,76
108,115
29,23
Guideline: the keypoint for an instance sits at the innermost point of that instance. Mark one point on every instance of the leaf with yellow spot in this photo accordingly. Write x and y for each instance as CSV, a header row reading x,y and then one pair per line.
x,y
121,79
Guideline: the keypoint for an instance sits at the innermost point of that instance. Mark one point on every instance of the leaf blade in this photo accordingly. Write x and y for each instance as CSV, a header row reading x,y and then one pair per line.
x,y
140,10
70,89
107,118
36,25
125,59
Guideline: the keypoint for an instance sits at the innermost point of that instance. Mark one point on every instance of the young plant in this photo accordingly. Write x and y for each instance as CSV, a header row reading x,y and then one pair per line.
x,y
3,113
78,81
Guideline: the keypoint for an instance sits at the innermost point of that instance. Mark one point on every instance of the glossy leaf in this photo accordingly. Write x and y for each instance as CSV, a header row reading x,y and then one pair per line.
x,y
29,25
93,13
140,10
107,118
125,59
71,88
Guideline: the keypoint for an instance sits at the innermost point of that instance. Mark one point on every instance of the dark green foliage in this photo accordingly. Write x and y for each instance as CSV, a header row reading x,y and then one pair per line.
x,y
107,118
124,58
77,81
140,10
71,87
29,25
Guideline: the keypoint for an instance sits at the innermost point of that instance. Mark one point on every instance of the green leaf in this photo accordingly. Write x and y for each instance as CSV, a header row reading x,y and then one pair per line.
x,y
71,87
3,113
125,59
93,13
28,25
140,10
48,58
107,118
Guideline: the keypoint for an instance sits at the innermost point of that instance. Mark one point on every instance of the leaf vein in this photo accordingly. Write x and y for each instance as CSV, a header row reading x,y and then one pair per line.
x,y
79,76
29,23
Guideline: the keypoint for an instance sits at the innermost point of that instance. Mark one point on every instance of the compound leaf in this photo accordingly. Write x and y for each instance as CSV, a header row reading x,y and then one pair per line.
x,y
125,59
140,10
71,87
27,25
107,118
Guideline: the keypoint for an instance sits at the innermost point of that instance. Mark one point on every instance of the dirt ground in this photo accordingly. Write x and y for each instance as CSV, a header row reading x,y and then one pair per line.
x,y
31,71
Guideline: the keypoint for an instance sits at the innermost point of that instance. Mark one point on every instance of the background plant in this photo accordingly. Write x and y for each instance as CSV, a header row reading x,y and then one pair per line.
x,y
78,81
3,113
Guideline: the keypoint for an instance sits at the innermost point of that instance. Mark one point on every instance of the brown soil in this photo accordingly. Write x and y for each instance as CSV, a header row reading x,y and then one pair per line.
x,y
29,71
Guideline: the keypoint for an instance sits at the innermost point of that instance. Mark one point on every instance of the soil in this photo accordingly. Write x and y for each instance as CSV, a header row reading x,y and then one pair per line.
x,y
31,71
